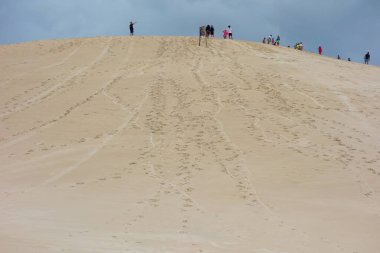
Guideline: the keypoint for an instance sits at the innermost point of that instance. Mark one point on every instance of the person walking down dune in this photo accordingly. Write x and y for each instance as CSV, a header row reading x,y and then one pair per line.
x,y
131,28
320,50
367,57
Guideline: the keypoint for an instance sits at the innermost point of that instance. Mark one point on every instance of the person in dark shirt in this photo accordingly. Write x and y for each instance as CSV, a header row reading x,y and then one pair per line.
x,y
131,28
367,57
212,30
208,31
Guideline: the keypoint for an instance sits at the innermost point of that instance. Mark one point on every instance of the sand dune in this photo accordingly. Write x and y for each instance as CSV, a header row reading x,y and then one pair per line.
x,y
153,144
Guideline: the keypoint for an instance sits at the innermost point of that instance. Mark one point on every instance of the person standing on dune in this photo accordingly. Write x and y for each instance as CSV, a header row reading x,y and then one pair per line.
x,y
278,40
320,50
229,32
208,31
367,57
131,28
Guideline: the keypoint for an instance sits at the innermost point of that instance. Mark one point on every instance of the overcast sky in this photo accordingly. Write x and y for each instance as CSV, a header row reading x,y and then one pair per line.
x,y
346,27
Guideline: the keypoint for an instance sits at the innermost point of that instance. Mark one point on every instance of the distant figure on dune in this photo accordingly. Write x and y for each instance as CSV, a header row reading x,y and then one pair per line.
x,y
270,39
320,50
349,59
212,31
338,57
367,57
300,46
278,40
225,33
208,31
264,40
230,32
202,33
131,28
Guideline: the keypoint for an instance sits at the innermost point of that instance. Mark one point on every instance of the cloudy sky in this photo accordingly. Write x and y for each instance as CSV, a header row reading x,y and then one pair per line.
x,y
346,27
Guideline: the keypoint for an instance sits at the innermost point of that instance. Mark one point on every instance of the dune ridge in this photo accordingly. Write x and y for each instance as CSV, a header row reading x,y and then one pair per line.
x,y
154,144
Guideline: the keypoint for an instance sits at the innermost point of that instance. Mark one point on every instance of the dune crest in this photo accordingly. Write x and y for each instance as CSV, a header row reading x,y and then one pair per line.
x,y
154,144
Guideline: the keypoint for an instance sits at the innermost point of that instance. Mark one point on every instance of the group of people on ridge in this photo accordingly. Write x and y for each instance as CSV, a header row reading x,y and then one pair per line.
x,y
272,41
298,46
210,31
227,32
367,57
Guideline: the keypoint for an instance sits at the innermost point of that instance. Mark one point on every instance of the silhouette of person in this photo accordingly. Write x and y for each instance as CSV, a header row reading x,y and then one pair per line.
x,y
367,57
131,28
212,31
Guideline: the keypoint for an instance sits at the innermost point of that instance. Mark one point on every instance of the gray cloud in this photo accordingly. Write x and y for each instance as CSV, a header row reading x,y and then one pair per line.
x,y
345,27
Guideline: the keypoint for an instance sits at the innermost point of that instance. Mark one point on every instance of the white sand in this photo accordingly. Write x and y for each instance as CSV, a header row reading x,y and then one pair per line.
x,y
153,144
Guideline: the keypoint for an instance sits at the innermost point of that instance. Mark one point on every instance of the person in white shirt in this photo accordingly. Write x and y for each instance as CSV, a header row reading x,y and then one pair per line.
x,y
229,32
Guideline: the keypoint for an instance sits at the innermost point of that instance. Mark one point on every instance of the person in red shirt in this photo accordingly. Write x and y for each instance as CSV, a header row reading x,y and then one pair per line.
x,y
225,33
320,50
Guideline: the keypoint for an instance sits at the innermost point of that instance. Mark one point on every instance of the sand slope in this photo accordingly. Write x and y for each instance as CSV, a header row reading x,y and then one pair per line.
x,y
153,144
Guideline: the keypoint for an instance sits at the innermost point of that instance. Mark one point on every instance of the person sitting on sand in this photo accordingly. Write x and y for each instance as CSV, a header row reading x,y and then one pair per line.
x,y
300,46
